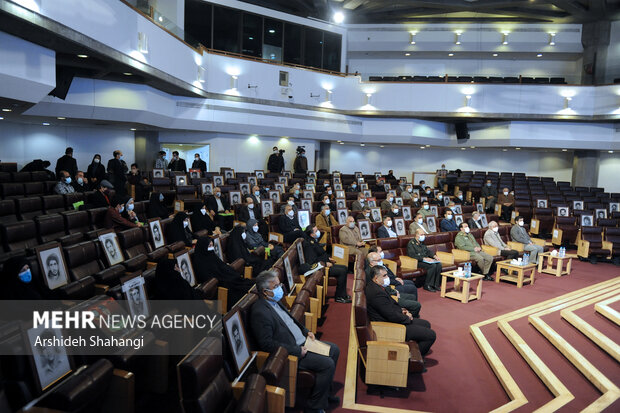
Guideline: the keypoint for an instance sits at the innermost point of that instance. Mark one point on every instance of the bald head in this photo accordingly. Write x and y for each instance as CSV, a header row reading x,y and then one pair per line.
x,y
492,224
373,258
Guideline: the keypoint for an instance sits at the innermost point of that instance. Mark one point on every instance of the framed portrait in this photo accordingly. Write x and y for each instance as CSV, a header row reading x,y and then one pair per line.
x,y
266,207
358,174
135,293
423,199
287,174
364,187
541,203
458,219
52,264
217,248
157,235
600,213
340,194
435,192
336,179
289,273
578,205
457,209
399,201
614,207
259,174
306,203
377,175
407,213
587,220
51,362
387,187
300,253
252,181
307,194
562,211
311,180
483,220
207,189
367,193
194,173
218,180
341,203
392,192
111,247
371,202
446,200
433,208
312,174
364,226
342,216
244,188
158,173
338,187
303,217
310,187
399,225
279,187
228,173
237,340
185,265
431,224
180,180
480,208
274,196
336,174
375,212
235,197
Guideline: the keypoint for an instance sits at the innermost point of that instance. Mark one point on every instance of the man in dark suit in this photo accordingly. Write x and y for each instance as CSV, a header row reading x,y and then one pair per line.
x,y
381,307
273,326
199,164
221,207
249,211
275,163
426,260
289,226
177,164
116,173
67,163
405,290
489,193
475,222
386,230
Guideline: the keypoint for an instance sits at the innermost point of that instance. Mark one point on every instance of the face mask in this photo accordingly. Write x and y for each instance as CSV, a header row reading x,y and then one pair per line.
x,y
120,158
329,192
25,276
367,215
121,210
197,158
256,193
382,254
420,221
426,206
467,230
243,235
422,238
130,207
521,223
448,216
488,184
255,228
80,181
496,229
325,185
506,193
353,186
185,224
386,281
428,192
415,199
291,203
68,180
210,248
318,234
390,199
161,197
439,196
297,192
326,202
327,212
291,213
388,224
217,194
203,211
396,211
352,225
277,293
97,160
460,196
409,190
380,262
361,201
251,206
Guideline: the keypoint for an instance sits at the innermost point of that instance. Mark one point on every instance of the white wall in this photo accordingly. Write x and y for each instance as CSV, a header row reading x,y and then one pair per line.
x,y
22,143
612,70
608,168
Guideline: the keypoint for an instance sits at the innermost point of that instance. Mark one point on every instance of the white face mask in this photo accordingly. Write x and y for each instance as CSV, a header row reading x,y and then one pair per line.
x,y
327,212
210,248
255,228
382,254
386,281
426,206
291,203
396,211
251,206
361,201
97,160
409,190
420,221
496,229
388,224
318,234
244,235
467,230
415,199
448,216
380,262
329,192
291,213
203,211
506,193
521,223
439,196
185,224
367,215
390,199
460,196
351,225
326,201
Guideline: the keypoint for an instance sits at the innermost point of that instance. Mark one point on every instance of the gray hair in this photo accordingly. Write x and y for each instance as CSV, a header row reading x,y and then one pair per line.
x,y
492,224
263,279
376,270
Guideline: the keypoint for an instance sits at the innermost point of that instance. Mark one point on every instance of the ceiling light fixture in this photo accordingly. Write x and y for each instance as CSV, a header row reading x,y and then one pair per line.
x,y
128,73
564,150
61,118
234,82
46,124
381,146
450,54
201,74
412,36
422,147
457,38
472,147
610,151
539,55
338,17
328,96
463,149
517,149
551,39
494,54
362,144
1,118
7,110
505,38
271,31
504,150
407,54
341,143
368,99
83,56
567,102
132,129
428,146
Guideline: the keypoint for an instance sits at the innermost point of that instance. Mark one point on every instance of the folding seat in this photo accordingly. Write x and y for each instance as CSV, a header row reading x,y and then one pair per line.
x,y
557,81
83,260
8,212
161,184
20,235
70,199
5,177
96,217
542,223
186,192
607,222
34,189
76,222
565,231
590,246
53,204
39,176
49,228
28,208
21,177
134,243
612,239
11,190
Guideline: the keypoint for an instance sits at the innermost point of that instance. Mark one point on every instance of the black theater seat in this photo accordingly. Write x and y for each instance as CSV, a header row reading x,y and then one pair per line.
x,y
83,260
34,189
18,235
133,243
8,213
11,190
53,204
28,208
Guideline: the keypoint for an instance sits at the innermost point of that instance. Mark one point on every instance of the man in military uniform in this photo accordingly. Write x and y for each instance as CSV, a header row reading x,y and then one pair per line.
x,y
427,260
465,241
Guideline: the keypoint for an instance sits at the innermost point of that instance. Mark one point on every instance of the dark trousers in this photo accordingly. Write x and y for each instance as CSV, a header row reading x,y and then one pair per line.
x,y
507,212
410,303
323,368
433,273
420,331
340,273
509,254
290,237
224,222
408,287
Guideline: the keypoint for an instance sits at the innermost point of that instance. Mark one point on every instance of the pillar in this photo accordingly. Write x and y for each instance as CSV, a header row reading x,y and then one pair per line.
x,y
595,40
585,168
146,146
322,157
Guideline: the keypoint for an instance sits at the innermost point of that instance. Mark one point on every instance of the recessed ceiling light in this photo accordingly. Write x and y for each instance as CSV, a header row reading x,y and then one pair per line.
x,y
82,56
381,146
46,124
272,31
494,54
362,144
610,151
128,73
518,149
463,149
338,17
428,146
450,54
161,18
472,147
342,143
132,129
539,55
1,118
60,118
407,54
564,150
504,150
339,141
7,110
422,147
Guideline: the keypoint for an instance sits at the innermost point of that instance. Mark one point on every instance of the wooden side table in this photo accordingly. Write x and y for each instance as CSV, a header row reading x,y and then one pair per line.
x,y
516,273
462,295
559,269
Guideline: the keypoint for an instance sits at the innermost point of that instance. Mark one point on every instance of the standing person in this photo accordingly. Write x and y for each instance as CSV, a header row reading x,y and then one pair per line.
x,y
300,166
199,164
140,183
67,163
426,260
95,172
116,175
275,164
177,164
441,175
161,162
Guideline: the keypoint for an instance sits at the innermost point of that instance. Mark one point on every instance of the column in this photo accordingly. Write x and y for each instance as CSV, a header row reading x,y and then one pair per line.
x,y
322,157
146,146
585,168
595,39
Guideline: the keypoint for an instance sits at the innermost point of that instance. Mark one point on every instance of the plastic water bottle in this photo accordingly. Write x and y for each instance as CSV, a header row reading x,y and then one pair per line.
x,y
562,252
468,270
526,258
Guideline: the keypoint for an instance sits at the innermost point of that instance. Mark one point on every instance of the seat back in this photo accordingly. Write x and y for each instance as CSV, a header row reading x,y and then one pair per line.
x,y
76,221
82,260
96,217
49,227
363,330
8,213
28,208
132,242
18,235
53,204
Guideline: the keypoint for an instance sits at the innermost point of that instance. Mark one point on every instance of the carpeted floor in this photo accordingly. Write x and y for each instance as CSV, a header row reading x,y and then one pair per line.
x,y
459,378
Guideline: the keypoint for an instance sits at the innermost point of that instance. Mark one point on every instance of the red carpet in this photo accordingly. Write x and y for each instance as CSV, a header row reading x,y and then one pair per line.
x,y
455,361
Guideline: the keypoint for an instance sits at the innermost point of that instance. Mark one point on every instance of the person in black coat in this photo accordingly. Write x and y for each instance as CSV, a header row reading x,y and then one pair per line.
x,y
170,284
273,326
199,164
251,210
116,173
67,163
381,307
202,218
177,164
102,198
39,165
236,248
314,253
156,208
208,265
275,164
178,230
289,226
95,172
220,205
17,281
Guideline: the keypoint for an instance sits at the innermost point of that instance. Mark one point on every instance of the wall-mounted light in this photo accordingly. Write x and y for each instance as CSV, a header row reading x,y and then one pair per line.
x,y
143,43
467,100
567,102
338,17
200,74
328,96
368,99
457,37
505,37
234,81
551,39
412,36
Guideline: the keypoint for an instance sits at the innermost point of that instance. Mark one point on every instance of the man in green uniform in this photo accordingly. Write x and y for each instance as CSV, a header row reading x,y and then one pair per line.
x,y
427,260
465,241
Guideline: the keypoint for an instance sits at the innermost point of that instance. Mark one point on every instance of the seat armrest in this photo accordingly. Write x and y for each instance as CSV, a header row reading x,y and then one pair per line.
x,y
275,368
490,250
538,241
391,265
110,275
389,331
406,262
238,265
208,289
136,263
445,257
517,246
461,255
583,248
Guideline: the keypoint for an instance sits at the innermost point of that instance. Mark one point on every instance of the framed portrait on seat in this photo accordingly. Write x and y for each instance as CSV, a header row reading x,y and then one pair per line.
x,y
306,203
457,209
483,220
431,224
587,220
52,264
342,216
266,206
340,194
50,362
371,202
252,180
185,265
218,180
289,273
279,187
541,203
237,340
217,248
480,208
364,226
399,225
111,247
274,196
158,173
600,213
207,188
458,219
341,203
235,197
259,174
562,211
135,293
399,201
407,213
578,205
367,193
157,235
614,207
433,208
228,173
245,189
375,212
194,173
308,194
287,174
180,180
303,217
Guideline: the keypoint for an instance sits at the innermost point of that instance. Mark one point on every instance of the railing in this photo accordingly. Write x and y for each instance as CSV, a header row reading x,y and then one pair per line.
x,y
472,78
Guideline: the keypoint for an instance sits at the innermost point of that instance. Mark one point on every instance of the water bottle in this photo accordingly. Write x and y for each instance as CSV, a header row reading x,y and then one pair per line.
x,y
468,270
562,252
526,258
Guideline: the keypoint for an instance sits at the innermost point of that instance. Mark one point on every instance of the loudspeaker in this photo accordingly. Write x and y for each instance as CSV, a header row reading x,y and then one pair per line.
x,y
462,132
64,77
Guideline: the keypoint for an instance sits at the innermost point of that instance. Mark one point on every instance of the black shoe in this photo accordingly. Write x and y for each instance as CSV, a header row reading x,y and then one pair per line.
x,y
333,400
488,278
429,288
342,300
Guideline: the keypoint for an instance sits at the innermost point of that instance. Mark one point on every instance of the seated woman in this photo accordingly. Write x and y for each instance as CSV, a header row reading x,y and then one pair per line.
x,y
202,218
17,282
170,284
156,208
236,248
178,230
254,240
208,265
128,213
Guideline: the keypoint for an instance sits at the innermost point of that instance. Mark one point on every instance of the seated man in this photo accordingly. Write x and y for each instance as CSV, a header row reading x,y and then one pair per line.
x,y
64,184
475,222
365,214
289,201
328,201
426,210
381,307
386,204
81,183
492,238
418,223
329,193
359,204
465,241
489,193
351,237
447,224
289,226
315,253
395,211
221,207
406,194
324,222
507,201
438,199
415,200
519,234
114,220
406,288
427,260
273,326
353,188
386,230
459,199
